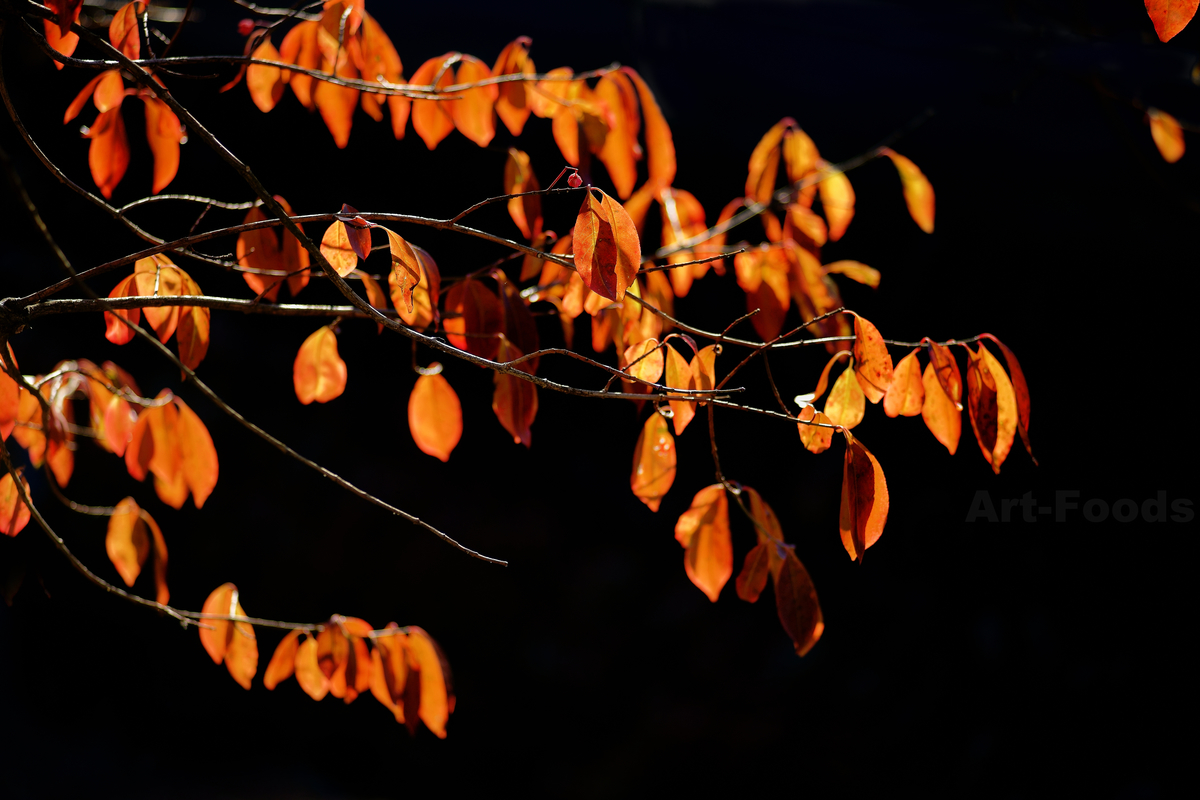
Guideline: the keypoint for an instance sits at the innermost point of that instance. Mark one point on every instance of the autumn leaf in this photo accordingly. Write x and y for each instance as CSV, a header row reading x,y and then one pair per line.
x,y
797,604
336,103
799,154
918,193
436,687
337,249
108,155
343,657
942,415
855,271
265,83
653,462
319,372
192,331
620,151
991,405
815,439
872,362
157,276
704,531
906,393
308,671
259,249
283,662
837,198
127,542
512,103
14,514
846,405
230,642
753,577
123,31
1020,391
472,114
198,456
644,360
764,163
164,133
864,499
380,62
416,305
660,145
434,415
525,211
1170,16
1167,133
474,318
375,296
804,226
762,274
606,246
679,376
66,12
300,47
514,400
430,118
822,382
10,397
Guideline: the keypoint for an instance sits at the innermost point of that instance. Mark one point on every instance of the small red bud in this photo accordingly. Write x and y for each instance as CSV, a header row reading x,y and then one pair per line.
x,y
246,27
574,181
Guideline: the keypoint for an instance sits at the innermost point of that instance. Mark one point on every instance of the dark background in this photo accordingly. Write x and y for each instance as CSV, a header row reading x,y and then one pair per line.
x,y
1009,659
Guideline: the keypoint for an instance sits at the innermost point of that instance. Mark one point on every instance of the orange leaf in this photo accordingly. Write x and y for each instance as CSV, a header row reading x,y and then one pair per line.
x,y
799,154
165,133
514,400
518,177
512,105
946,370
474,318
162,594
87,91
660,145
66,11
855,271
417,305
837,198
846,405
1167,134
10,398
815,439
436,692
192,332
864,499
942,415
992,406
230,642
434,416
308,672
753,577
123,31
283,662
126,542
265,83
198,456
797,604
431,119
110,91
319,373
653,462
14,514
804,226
108,155
606,246
822,382
763,275
1170,16
620,151
906,393
764,163
1020,390
472,114
918,193
679,376
336,103
704,531
704,370
64,43
336,247
390,668
872,362
300,47
649,360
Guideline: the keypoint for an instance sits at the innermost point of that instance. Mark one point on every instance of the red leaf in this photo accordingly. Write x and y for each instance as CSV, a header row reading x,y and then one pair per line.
x,y
864,499
474,318
14,514
796,601
165,134
514,399
1170,16
753,577
435,416
108,156
606,246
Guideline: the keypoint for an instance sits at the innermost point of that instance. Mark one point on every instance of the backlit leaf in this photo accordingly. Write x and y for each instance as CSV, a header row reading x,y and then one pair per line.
x,y
299,47
653,462
336,247
435,416
165,134
864,499
230,642
474,319
308,672
764,163
108,155
679,376
942,416
918,193
1170,16
846,405
197,454
436,688
855,271
753,577
123,31
1020,391
259,249
319,372
157,276
514,400
872,362
422,310
264,82
704,531
512,105
472,114
10,398
906,393
526,211
620,151
797,604
14,514
606,246
815,439
431,119
644,360
660,145
991,405
799,154
336,103
161,593
192,331
283,662
127,542
1167,134
837,198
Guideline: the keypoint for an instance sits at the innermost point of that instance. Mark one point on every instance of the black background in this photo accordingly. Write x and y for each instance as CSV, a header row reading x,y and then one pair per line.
x,y
974,659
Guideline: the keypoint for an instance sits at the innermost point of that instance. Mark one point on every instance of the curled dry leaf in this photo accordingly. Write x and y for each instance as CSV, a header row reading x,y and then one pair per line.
x,y
815,439
283,662
906,393
230,642
1167,135
872,362
319,372
918,192
704,531
991,405
514,400
653,462
864,499
14,514
846,405
606,246
1170,16
435,416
